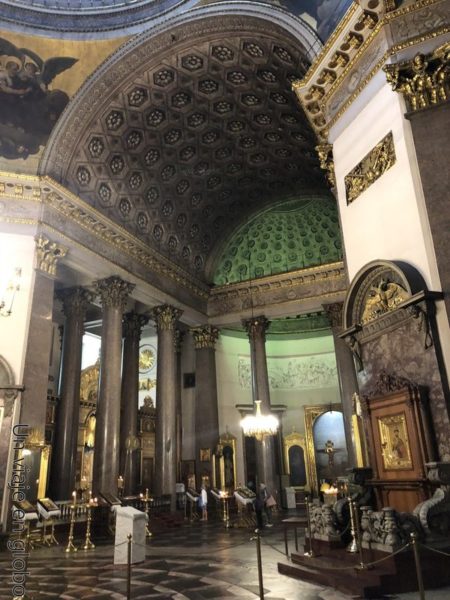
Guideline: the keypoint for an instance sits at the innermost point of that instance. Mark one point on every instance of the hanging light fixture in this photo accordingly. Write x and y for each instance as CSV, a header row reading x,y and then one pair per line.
x,y
8,289
259,425
256,425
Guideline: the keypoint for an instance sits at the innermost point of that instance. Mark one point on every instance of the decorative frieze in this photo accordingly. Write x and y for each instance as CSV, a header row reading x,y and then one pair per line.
x,y
370,168
48,254
423,81
205,337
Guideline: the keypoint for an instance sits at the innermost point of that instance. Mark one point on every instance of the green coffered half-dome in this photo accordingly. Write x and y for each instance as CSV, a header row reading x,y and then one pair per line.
x,y
296,234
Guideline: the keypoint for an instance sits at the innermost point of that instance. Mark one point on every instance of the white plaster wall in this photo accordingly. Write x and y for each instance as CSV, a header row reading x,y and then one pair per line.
x,y
388,220
230,349
17,251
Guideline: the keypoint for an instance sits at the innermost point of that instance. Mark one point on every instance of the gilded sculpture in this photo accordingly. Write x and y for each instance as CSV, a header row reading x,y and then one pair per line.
x,y
423,81
383,297
372,167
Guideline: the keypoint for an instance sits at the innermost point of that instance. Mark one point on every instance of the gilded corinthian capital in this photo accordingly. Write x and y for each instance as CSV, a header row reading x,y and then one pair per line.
x,y
165,316
325,153
47,254
75,300
256,326
205,337
113,291
423,81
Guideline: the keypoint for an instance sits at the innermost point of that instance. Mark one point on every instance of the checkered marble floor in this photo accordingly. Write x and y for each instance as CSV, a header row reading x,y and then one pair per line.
x,y
197,561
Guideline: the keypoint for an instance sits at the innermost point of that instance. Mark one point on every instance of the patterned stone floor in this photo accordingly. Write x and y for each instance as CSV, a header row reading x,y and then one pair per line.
x,y
197,561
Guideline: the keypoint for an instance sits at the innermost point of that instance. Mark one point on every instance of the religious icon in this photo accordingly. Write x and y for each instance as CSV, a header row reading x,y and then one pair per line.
x,y
205,454
394,442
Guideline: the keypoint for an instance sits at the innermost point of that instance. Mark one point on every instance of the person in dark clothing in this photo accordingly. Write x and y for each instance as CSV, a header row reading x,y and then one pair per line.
x,y
259,507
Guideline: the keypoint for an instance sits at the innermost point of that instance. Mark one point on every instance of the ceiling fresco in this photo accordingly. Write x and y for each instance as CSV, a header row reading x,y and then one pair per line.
x,y
297,234
201,134
37,78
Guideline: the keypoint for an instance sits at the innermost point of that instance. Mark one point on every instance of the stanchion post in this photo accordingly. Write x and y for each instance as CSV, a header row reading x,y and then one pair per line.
x,y
362,564
415,546
259,561
129,537
353,546
310,552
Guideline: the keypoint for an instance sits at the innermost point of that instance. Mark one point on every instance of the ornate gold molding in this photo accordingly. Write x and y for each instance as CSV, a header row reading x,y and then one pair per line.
x,y
48,254
321,92
205,337
370,168
296,439
423,81
325,152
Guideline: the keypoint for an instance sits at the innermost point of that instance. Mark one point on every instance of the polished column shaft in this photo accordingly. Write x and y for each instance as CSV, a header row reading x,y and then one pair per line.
x,y
129,442
165,317
206,409
348,383
113,293
39,343
178,420
265,450
75,302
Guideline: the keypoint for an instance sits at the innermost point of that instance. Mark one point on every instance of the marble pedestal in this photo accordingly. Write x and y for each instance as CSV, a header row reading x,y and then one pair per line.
x,y
129,520
290,497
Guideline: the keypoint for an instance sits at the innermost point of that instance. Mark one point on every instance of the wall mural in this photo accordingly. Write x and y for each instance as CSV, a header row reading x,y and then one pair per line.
x,y
29,108
299,372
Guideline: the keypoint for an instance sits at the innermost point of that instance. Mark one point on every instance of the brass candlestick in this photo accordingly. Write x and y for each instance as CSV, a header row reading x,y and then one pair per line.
x,y
53,540
146,499
70,545
353,546
88,545
310,553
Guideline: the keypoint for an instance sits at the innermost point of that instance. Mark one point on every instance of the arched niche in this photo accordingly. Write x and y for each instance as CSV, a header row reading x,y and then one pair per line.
x,y
318,450
295,458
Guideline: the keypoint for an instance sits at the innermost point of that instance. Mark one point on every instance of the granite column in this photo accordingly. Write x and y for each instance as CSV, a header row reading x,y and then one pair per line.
x,y
178,340
37,358
129,442
165,317
113,293
265,449
206,409
348,383
75,302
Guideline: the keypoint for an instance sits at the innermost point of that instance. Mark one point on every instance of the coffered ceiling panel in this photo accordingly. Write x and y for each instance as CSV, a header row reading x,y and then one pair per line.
x,y
203,132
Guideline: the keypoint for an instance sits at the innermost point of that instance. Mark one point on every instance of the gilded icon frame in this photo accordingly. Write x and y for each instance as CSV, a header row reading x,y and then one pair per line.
x,y
394,440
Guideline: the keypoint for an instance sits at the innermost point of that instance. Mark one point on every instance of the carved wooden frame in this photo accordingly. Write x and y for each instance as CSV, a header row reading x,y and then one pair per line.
x,y
311,414
296,439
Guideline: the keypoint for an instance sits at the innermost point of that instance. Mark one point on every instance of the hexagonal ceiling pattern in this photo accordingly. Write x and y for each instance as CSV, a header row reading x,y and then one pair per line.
x,y
203,133
298,234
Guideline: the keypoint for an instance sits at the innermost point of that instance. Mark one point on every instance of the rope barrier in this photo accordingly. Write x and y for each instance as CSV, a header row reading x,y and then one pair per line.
x,y
434,549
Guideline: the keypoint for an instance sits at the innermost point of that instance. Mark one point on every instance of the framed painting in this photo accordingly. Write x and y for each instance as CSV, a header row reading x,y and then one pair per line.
x,y
396,450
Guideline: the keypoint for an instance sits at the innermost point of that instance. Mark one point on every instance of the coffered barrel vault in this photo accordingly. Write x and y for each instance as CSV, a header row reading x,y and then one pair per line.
x,y
191,137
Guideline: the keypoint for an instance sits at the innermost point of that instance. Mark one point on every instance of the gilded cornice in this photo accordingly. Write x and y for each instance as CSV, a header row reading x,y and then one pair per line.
x,y
339,74
46,192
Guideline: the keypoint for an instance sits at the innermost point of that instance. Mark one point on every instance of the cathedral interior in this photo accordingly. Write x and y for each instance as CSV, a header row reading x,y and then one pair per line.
x,y
225,242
